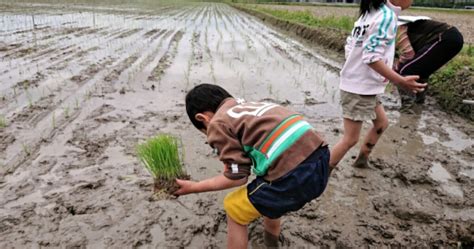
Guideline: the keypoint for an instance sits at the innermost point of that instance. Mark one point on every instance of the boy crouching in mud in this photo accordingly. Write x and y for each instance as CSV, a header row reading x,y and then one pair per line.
x,y
289,158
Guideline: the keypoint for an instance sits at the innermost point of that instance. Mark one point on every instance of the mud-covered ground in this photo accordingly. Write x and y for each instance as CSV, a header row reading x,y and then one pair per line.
x,y
81,86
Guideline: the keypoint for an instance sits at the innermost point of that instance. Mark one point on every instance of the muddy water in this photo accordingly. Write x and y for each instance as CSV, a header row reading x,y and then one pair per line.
x,y
81,86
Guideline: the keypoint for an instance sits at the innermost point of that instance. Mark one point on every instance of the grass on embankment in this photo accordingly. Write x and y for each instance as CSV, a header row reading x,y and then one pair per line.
x,y
344,23
455,82
449,85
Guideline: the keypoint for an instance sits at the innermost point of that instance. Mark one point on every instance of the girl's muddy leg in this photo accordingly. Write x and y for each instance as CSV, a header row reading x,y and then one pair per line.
x,y
237,236
272,231
350,138
380,125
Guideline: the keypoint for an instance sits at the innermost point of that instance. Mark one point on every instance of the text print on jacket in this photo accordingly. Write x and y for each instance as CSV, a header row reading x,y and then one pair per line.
x,y
372,39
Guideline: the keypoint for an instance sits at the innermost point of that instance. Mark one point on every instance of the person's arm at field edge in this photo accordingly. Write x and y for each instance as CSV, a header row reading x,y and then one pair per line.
x,y
408,82
215,183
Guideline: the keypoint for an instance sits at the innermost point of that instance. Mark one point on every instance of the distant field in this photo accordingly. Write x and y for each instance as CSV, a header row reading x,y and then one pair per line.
x,y
463,20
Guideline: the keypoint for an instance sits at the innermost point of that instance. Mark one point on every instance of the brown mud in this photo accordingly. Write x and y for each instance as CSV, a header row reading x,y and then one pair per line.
x,y
69,176
167,187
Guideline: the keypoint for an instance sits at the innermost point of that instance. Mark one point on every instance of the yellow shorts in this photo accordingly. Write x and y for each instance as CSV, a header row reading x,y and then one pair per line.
x,y
238,207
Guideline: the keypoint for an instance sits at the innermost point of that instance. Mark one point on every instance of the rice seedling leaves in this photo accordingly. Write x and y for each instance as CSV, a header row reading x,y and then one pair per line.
x,y
161,156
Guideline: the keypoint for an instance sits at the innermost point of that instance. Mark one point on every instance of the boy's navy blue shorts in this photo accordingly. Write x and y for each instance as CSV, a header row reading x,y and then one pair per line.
x,y
288,193
292,191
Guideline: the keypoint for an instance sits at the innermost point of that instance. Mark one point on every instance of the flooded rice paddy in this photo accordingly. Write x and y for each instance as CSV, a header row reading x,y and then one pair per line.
x,y
81,85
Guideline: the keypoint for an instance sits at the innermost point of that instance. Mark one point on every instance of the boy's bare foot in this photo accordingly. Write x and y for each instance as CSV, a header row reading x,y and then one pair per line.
x,y
272,241
361,161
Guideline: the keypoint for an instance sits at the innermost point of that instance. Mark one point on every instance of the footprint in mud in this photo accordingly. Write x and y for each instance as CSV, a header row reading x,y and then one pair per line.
x,y
7,223
44,165
406,210
33,82
180,231
105,108
5,140
4,47
279,102
313,101
32,114
397,170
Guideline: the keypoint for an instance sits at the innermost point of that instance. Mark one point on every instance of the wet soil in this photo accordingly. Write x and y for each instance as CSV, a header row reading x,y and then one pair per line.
x,y
113,76
167,187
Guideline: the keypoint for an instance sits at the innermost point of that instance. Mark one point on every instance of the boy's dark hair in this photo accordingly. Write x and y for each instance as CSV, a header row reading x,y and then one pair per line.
x,y
204,97
367,5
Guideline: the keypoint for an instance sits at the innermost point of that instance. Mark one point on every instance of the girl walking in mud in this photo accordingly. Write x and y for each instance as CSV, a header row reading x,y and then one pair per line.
x,y
370,51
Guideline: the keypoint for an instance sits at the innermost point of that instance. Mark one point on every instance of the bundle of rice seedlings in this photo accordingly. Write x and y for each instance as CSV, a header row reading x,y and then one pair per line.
x,y
162,158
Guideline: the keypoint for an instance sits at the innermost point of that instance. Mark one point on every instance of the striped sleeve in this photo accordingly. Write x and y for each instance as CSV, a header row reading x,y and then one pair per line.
x,y
381,34
403,47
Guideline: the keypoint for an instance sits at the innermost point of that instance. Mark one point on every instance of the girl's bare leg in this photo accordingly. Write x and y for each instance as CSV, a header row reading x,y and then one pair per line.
x,y
350,138
380,125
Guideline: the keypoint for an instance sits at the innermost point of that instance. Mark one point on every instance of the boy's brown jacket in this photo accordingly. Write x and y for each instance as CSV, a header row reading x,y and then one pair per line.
x,y
235,125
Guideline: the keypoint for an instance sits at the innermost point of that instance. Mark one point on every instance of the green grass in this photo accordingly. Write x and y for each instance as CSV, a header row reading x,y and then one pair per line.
x,y
459,10
161,157
3,122
451,84
307,18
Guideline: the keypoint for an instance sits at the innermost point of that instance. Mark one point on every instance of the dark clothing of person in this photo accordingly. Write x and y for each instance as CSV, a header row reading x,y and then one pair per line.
x,y
292,191
435,44
424,32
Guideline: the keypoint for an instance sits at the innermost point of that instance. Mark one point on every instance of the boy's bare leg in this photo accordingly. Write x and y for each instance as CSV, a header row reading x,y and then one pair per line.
x,y
380,125
237,236
272,232
350,138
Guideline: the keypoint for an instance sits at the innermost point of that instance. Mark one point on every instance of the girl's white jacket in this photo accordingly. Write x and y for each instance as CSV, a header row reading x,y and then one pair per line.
x,y
372,39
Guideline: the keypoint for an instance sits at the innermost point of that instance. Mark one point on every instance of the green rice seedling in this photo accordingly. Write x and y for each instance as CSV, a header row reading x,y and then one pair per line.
x,y
26,150
3,122
53,120
66,112
30,98
162,158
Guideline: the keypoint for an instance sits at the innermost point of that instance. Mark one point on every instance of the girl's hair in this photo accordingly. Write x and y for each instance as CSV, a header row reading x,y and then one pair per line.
x,y
367,5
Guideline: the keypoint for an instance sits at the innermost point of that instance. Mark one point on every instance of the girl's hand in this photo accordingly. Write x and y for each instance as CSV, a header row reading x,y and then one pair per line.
x,y
185,187
409,82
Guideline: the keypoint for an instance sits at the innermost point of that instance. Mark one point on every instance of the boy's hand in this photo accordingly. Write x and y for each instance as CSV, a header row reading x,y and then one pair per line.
x,y
218,182
185,187
409,83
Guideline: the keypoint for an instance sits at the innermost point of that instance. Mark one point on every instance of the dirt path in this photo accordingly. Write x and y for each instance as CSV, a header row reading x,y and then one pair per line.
x,y
81,88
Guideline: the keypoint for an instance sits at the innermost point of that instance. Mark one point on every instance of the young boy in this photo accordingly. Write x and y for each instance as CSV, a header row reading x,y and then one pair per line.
x,y
289,158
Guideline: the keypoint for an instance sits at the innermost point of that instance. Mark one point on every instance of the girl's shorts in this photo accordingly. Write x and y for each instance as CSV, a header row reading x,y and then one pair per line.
x,y
288,193
358,107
